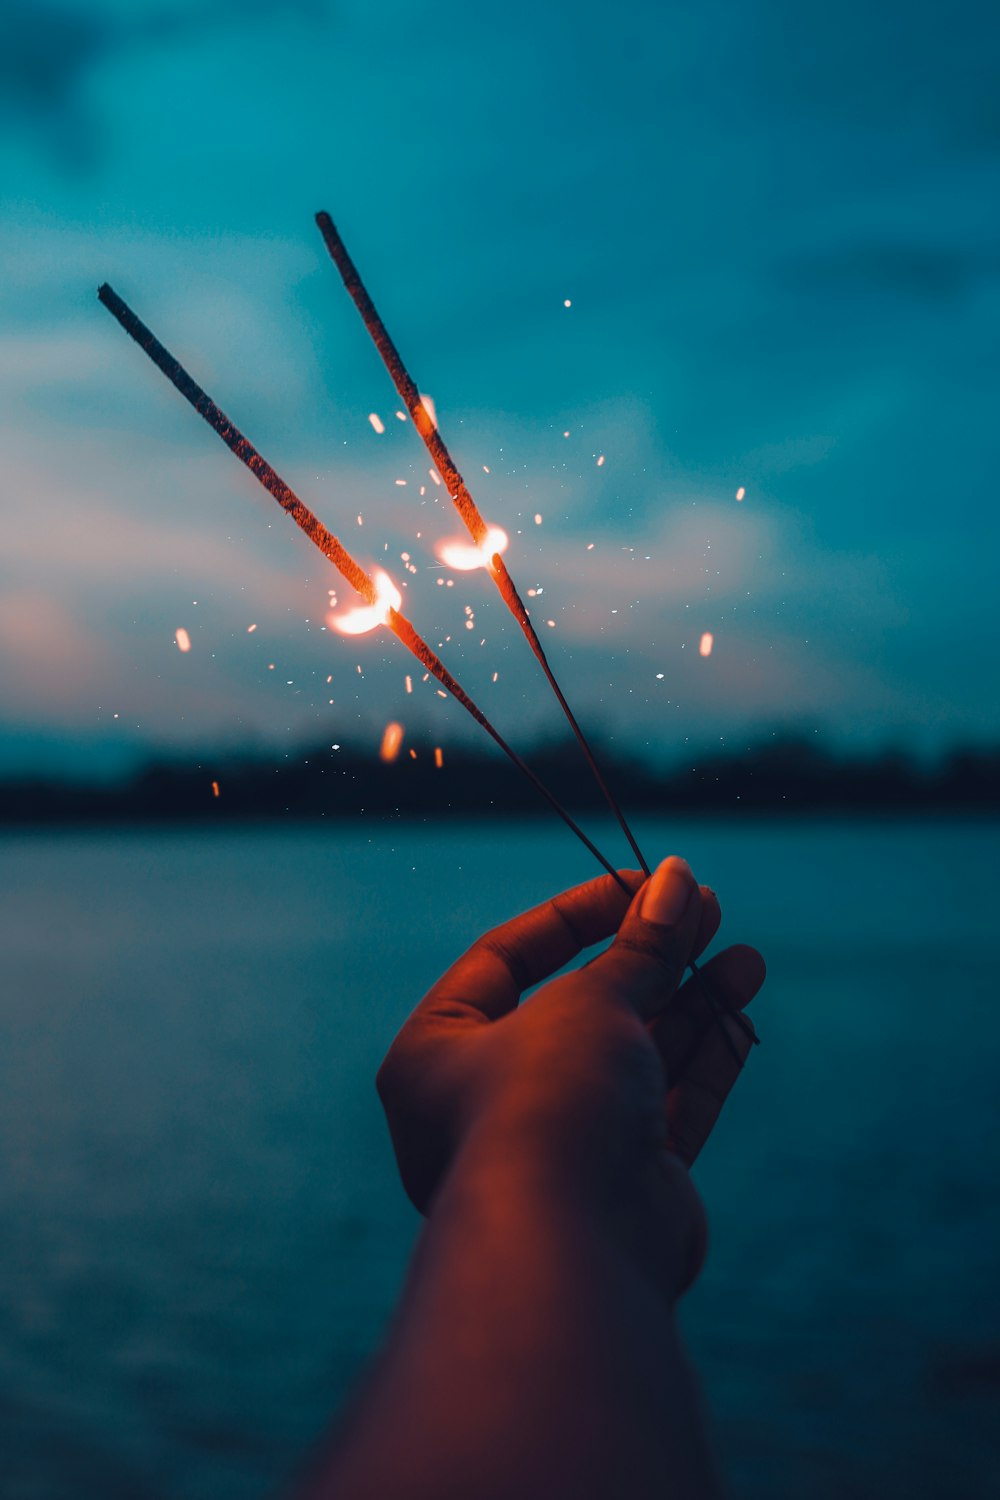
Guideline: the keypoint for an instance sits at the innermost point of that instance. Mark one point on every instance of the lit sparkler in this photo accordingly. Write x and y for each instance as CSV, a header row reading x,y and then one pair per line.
x,y
461,497
381,597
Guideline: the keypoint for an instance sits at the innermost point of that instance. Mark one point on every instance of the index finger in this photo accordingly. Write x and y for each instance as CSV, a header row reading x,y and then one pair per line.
x,y
489,979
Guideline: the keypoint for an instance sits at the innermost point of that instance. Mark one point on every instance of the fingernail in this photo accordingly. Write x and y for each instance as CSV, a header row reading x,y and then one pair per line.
x,y
667,892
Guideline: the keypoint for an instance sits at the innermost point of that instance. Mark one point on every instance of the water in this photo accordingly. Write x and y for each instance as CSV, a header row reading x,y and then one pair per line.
x,y
201,1233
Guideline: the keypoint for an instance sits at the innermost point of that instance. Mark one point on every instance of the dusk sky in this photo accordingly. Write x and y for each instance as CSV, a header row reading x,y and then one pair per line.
x,y
778,230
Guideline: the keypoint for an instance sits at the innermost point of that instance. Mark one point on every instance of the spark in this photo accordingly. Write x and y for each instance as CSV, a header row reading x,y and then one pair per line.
x,y
706,643
392,740
438,757
251,629
376,421
740,493
182,638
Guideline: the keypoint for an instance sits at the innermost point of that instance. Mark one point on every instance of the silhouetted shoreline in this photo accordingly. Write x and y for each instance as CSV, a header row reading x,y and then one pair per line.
x,y
787,777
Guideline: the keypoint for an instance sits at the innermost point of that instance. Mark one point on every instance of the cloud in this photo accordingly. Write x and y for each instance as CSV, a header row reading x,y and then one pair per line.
x,y
50,656
49,51
922,272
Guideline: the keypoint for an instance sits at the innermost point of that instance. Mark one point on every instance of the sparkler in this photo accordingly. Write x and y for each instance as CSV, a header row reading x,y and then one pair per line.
x,y
482,535
382,598
485,539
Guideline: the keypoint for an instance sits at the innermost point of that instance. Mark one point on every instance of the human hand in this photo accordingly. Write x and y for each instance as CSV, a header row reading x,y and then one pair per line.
x,y
606,1083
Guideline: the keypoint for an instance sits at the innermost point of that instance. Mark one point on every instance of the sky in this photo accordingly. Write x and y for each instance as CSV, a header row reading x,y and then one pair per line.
x,y
719,246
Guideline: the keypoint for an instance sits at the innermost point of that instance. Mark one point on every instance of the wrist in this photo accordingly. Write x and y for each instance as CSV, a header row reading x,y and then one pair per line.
x,y
509,1177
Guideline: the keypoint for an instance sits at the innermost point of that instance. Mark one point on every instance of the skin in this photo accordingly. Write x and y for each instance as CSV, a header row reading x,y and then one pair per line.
x,y
535,1351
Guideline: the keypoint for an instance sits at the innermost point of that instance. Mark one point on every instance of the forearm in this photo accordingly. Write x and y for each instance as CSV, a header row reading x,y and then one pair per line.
x,y
531,1357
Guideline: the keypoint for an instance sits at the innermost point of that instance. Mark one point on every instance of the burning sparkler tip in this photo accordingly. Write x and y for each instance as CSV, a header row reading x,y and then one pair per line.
x,y
463,557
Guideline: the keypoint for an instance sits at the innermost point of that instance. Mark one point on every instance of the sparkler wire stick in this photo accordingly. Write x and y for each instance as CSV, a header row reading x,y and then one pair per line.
x,y
459,492
328,544
477,528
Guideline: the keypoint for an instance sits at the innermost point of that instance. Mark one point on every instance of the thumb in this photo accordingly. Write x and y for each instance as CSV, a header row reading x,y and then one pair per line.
x,y
645,962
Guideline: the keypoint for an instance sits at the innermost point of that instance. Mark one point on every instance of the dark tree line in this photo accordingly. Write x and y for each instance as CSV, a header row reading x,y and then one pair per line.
x,y
791,776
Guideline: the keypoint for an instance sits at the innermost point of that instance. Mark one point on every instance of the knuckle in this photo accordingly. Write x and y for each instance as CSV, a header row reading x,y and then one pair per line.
x,y
493,944
638,945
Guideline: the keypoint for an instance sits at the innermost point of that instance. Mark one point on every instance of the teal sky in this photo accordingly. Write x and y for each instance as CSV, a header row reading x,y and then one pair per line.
x,y
778,227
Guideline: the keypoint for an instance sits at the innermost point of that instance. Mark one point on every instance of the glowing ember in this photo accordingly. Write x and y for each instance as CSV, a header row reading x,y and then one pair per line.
x,y
706,643
409,683
438,757
600,461
215,788
251,629
359,621
567,302
538,518
427,402
463,557
182,638
392,741
376,421
740,493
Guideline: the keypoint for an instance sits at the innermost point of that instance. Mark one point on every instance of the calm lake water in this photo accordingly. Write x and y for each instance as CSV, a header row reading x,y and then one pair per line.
x,y
201,1232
